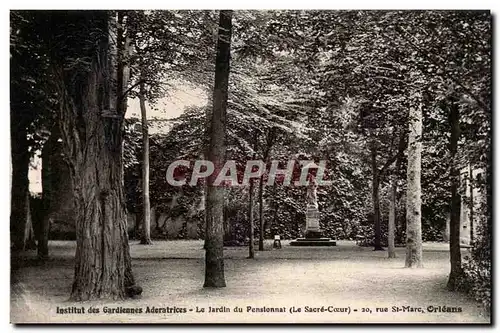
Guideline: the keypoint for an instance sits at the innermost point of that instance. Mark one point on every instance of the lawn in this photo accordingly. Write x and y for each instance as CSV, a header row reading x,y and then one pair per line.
x,y
350,283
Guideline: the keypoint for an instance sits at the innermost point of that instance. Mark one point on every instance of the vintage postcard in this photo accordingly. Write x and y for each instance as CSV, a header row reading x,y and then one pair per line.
x,y
251,166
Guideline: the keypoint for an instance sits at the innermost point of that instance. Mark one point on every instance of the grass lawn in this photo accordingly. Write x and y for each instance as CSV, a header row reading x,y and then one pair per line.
x,y
342,278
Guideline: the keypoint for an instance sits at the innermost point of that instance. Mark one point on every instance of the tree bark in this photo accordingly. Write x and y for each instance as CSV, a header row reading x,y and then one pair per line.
x,y
376,201
91,129
146,220
214,237
455,255
413,196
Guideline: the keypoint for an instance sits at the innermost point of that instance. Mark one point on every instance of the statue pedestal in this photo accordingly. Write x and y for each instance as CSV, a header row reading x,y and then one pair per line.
x,y
312,223
313,231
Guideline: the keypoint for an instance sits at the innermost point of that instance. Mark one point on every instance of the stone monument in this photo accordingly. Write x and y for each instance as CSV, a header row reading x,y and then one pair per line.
x,y
313,231
312,212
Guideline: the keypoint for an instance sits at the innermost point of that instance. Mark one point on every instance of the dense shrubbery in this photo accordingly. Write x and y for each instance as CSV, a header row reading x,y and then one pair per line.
x,y
477,266
477,280
431,233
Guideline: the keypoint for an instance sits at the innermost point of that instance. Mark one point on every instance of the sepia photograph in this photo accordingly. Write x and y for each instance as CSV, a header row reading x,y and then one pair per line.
x,y
250,166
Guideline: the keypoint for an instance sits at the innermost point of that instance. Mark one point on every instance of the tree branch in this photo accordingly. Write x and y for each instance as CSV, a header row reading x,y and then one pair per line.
x,y
399,154
125,93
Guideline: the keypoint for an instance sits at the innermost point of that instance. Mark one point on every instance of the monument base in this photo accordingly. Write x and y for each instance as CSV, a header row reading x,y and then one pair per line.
x,y
313,231
310,241
313,234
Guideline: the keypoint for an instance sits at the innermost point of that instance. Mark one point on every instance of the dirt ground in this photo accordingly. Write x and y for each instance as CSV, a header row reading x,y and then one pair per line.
x,y
342,284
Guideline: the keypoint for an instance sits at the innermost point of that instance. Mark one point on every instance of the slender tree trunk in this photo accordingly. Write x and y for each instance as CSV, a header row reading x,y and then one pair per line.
x,y
265,156
261,213
413,196
29,239
251,247
471,216
228,232
376,216
48,152
455,255
146,219
43,237
214,237
392,218
91,129
138,219
154,219
204,156
391,234
276,206
251,229
376,202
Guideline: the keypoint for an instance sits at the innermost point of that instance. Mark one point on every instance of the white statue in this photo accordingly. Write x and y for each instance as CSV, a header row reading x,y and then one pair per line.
x,y
312,195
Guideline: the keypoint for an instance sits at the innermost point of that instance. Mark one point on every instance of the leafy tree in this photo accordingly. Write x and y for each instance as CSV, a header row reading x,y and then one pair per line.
x,y
455,63
90,119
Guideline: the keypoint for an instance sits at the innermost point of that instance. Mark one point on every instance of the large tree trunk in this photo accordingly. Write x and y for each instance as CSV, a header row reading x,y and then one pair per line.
x,y
455,255
91,124
413,196
146,220
214,237
376,202
20,182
